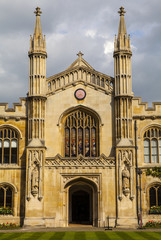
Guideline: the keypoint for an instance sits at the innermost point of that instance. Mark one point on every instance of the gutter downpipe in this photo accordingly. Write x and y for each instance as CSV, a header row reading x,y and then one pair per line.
x,y
136,164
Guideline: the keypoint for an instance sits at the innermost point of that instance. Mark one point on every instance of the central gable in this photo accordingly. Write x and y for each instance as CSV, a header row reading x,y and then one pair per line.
x,y
80,62
80,72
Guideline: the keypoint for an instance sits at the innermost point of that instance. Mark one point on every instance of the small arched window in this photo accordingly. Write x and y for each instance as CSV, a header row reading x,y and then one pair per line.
x,y
81,134
8,146
6,199
152,145
155,195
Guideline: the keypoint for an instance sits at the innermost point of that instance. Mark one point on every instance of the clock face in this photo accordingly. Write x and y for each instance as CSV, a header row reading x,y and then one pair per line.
x,y
80,94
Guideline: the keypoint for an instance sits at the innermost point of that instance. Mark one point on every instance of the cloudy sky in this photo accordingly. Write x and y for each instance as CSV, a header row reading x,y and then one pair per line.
x,y
71,26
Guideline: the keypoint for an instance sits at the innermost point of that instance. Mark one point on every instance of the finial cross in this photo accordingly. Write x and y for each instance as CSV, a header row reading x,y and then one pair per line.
x,y
80,54
122,12
38,12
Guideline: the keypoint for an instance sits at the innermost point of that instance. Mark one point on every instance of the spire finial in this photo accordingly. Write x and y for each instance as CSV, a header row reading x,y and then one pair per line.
x,y
80,54
38,12
122,12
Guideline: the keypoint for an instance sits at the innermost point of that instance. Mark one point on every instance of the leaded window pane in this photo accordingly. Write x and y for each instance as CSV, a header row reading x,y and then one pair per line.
x,y
159,196
6,151
73,143
80,141
14,151
152,194
1,197
87,142
6,144
67,142
14,144
93,143
160,150
154,150
9,198
146,151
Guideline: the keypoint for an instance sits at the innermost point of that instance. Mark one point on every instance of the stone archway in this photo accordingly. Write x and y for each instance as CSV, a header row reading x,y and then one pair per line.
x,y
82,202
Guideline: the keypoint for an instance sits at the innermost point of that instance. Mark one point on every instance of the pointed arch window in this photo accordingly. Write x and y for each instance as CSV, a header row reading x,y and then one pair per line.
x,y
154,197
152,145
6,199
8,146
81,134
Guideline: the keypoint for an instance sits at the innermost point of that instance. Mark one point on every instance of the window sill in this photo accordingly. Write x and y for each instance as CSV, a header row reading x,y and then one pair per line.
x,y
154,213
10,165
147,165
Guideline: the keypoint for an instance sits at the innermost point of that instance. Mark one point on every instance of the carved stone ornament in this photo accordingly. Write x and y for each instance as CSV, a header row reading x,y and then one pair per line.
x,y
125,174
35,160
94,177
80,161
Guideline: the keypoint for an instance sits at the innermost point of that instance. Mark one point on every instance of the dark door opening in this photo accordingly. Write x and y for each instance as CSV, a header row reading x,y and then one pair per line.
x,y
81,207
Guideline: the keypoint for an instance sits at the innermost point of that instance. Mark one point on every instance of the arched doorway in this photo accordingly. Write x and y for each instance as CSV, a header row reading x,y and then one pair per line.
x,y
81,193
81,204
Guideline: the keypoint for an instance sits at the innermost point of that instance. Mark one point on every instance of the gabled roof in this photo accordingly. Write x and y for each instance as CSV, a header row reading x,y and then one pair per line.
x,y
80,72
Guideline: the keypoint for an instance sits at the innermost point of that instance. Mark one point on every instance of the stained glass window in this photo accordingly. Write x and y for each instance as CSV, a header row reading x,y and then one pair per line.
x,y
81,134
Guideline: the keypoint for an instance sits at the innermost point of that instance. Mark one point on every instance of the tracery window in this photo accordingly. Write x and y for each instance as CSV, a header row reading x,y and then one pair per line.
x,y
6,197
81,134
152,145
8,146
155,195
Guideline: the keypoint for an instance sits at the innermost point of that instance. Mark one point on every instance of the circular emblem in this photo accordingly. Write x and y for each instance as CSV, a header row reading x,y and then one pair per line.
x,y
80,94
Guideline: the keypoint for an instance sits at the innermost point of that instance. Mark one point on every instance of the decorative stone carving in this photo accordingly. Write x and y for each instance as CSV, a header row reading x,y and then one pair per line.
x,y
125,173
80,161
35,161
95,178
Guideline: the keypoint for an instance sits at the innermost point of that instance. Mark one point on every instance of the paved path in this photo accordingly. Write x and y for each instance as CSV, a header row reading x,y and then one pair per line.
x,y
75,229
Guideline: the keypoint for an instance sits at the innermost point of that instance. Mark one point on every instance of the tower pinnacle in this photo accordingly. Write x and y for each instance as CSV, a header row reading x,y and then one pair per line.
x,y
38,30
38,12
122,12
37,42
122,27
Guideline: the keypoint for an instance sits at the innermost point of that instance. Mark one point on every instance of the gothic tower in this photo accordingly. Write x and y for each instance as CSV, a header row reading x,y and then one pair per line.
x,y
36,125
123,89
123,123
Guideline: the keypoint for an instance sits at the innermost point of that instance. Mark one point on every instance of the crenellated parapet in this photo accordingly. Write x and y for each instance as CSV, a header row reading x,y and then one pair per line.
x,y
18,111
142,111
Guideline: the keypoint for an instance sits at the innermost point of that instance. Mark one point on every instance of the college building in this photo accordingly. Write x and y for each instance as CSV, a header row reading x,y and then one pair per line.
x,y
80,147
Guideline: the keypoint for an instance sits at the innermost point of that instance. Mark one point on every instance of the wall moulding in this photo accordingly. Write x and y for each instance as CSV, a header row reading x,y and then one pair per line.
x,y
80,161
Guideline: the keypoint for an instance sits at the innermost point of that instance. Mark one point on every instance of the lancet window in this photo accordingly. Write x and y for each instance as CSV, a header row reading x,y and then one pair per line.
x,y
8,146
152,145
81,134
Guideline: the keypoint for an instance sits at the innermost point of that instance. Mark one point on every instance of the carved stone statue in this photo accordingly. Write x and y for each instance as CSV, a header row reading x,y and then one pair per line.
x,y
35,180
125,180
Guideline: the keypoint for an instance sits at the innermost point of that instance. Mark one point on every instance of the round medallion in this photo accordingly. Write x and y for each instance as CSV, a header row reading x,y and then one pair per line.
x,y
80,94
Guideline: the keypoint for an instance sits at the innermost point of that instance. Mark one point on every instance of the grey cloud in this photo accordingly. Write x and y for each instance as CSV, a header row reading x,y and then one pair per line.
x,y
65,24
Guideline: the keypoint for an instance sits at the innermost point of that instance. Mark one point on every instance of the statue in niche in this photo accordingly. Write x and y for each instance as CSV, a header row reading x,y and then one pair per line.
x,y
35,179
125,181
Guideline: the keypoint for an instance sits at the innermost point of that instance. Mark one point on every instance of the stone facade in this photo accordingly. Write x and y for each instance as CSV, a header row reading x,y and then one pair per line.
x,y
71,150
